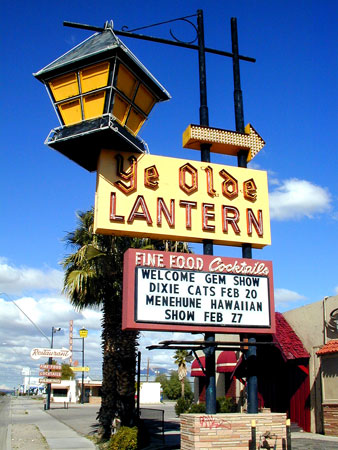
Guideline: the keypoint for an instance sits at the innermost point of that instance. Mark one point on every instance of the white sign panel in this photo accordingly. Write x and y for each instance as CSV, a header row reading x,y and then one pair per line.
x,y
201,298
63,353
26,371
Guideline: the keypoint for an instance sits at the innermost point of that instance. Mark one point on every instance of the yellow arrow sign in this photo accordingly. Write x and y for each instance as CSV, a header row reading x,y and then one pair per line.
x,y
80,369
223,141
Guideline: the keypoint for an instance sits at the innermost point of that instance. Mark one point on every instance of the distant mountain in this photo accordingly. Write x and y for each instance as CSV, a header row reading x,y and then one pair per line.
x,y
153,371
6,391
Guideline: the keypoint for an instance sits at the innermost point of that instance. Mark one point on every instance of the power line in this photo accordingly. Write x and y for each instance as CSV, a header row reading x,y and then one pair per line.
x,y
23,312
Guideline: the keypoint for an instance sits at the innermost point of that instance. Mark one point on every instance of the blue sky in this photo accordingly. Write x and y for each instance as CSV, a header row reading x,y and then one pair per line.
x,y
290,97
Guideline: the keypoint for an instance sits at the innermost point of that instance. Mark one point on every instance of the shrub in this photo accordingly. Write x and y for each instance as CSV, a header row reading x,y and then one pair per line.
x,y
172,386
197,408
225,405
188,393
124,439
182,405
162,378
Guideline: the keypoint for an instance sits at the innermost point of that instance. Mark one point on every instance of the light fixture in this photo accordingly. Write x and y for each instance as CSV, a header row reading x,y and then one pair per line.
x,y
102,95
190,357
333,324
83,332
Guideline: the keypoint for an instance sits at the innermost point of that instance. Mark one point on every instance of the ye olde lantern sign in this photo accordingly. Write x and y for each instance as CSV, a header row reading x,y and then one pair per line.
x,y
178,199
188,292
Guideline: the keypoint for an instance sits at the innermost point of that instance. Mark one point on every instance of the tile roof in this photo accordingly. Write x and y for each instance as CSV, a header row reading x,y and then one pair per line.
x,y
289,343
329,348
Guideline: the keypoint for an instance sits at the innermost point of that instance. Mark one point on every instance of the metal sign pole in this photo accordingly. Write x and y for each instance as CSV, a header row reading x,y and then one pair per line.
x,y
49,387
250,354
82,386
208,249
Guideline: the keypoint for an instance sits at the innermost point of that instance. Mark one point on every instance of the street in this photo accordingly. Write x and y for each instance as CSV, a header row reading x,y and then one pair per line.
x,y
82,419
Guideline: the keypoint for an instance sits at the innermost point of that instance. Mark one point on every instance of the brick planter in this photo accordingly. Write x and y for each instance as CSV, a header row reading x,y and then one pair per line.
x,y
330,413
230,431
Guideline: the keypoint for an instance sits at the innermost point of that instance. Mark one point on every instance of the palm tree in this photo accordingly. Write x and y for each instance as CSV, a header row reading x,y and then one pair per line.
x,y
93,279
180,359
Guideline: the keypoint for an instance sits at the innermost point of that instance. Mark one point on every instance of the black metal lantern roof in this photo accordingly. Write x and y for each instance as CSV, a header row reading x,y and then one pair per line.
x,y
96,48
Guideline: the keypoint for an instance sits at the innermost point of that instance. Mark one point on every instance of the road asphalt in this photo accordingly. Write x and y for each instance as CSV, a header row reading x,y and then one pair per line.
x,y
65,429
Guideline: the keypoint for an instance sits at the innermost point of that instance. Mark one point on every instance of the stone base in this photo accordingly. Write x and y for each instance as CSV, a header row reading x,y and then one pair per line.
x,y
330,415
95,400
231,431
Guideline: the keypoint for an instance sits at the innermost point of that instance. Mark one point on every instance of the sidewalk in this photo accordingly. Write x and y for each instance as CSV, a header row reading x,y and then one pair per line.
x,y
28,416
313,441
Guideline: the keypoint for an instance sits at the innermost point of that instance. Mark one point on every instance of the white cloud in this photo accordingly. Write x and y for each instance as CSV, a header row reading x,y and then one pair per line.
x,y
18,335
284,298
161,358
19,280
254,165
295,199
91,318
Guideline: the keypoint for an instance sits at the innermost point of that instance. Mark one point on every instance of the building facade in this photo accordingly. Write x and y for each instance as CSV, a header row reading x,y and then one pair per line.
x,y
316,326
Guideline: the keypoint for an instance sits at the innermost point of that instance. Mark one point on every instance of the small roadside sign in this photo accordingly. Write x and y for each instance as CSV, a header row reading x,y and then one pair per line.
x,y
63,353
49,381
80,369
50,374
50,367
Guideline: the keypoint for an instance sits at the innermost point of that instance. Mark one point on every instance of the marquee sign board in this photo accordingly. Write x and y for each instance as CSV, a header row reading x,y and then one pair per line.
x,y
178,199
204,293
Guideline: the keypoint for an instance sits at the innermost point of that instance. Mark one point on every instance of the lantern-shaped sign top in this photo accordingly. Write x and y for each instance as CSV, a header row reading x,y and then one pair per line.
x,y
102,95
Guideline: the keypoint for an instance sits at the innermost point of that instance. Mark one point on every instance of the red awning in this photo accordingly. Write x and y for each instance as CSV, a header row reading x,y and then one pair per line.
x,y
226,362
196,370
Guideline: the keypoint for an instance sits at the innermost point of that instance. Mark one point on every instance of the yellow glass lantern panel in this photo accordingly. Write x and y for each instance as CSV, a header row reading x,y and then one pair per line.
x,y
70,112
126,82
120,109
93,105
144,100
135,121
64,87
94,77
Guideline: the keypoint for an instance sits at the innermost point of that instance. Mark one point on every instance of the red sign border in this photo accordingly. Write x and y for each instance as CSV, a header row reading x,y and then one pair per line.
x,y
128,305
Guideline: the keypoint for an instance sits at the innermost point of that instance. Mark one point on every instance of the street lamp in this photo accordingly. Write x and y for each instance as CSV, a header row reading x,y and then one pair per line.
x,y
50,361
102,95
83,334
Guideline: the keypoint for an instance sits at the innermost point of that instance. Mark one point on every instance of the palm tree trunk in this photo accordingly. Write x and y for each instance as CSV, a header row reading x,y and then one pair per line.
x,y
119,362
